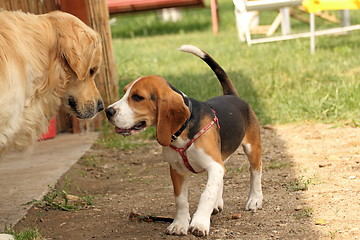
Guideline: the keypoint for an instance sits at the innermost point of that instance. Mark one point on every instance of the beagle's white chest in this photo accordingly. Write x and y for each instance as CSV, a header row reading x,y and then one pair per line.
x,y
196,157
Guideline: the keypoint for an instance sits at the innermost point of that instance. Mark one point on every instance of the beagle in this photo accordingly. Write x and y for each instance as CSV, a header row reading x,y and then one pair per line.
x,y
196,136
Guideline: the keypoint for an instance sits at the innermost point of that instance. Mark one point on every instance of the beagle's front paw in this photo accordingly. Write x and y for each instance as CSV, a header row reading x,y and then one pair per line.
x,y
254,202
178,227
200,227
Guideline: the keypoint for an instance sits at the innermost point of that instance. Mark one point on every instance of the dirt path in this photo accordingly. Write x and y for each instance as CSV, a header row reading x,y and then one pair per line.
x,y
323,159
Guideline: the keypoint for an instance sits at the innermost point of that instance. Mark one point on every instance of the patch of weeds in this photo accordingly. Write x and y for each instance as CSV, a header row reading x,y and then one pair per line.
x,y
67,183
305,213
277,165
63,201
25,234
355,123
87,200
82,173
300,184
88,161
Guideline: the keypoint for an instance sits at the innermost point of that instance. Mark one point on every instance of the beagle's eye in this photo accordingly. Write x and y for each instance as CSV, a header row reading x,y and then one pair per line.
x,y
137,98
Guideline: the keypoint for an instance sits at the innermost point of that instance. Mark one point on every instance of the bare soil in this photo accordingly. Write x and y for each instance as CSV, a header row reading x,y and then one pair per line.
x,y
311,186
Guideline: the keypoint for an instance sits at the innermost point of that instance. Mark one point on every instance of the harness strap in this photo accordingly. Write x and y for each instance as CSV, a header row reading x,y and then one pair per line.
x,y
182,151
177,134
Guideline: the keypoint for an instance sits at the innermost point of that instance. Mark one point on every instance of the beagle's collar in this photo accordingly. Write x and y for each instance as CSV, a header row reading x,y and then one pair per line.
x,y
182,151
189,104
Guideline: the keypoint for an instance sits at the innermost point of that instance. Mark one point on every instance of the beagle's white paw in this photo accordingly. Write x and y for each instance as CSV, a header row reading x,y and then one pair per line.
x,y
200,227
254,203
178,227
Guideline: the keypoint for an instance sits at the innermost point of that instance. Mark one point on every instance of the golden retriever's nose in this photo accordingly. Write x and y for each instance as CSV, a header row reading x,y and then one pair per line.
x,y
110,112
100,106
72,102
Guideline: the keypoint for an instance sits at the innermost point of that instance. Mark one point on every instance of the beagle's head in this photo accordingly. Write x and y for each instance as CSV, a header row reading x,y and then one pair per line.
x,y
149,101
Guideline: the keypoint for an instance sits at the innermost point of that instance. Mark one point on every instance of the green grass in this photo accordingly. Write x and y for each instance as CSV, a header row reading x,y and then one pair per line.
x,y
282,81
89,161
300,184
62,200
277,165
26,234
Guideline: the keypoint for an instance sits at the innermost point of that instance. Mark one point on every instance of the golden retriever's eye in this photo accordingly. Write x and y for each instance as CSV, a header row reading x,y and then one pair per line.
x,y
137,98
66,61
92,71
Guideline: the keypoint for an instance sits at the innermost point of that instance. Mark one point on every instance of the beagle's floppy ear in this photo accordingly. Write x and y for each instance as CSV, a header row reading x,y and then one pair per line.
x,y
80,47
172,114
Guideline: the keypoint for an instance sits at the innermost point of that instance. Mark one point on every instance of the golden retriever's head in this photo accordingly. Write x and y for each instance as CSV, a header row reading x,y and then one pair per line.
x,y
80,51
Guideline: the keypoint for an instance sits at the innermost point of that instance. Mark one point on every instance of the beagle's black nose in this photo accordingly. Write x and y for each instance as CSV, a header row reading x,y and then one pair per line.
x,y
110,112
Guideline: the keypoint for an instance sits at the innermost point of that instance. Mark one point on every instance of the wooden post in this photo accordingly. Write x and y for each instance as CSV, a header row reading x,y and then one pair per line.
x,y
77,8
95,14
99,20
214,16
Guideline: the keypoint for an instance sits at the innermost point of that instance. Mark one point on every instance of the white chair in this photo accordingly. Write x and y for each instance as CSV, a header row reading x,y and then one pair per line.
x,y
244,19
245,16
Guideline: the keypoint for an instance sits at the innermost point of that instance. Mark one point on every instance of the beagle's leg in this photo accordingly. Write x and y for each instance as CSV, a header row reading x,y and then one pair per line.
x,y
180,225
219,205
200,224
252,148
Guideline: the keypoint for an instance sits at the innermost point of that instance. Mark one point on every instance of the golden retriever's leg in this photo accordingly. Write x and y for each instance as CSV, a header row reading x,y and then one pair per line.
x,y
11,107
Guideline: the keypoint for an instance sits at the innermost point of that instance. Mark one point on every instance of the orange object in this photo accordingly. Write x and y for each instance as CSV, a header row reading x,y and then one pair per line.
x,y
51,133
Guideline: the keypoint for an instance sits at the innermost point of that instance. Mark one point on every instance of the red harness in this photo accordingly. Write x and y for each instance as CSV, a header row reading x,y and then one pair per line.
x,y
182,151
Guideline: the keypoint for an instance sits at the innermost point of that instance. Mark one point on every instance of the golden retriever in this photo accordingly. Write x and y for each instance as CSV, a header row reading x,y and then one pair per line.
x,y
46,61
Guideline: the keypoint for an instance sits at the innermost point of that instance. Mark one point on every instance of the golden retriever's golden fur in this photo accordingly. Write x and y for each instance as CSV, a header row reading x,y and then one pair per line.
x,y
45,61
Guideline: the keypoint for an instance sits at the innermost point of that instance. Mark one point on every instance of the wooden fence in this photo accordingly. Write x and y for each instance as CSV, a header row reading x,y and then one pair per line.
x,y
33,6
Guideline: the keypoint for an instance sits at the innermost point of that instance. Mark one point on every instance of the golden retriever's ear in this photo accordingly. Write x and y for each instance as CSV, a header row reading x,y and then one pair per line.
x,y
172,114
81,49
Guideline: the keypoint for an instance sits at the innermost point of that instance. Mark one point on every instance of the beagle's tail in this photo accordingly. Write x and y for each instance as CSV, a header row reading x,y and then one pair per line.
x,y
226,83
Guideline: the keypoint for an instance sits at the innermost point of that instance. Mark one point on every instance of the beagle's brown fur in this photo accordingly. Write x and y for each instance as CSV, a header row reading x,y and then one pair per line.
x,y
152,101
